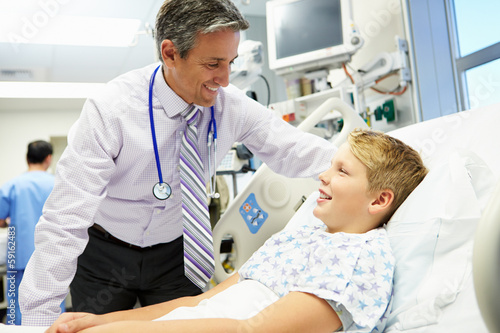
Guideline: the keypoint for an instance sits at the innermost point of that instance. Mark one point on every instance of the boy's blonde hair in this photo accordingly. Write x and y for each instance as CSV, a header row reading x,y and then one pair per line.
x,y
391,164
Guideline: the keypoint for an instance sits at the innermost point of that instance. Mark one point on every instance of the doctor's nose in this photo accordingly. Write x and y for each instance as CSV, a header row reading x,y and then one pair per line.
x,y
222,77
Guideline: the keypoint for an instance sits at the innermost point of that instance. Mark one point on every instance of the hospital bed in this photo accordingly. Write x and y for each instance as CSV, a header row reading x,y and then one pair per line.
x,y
432,233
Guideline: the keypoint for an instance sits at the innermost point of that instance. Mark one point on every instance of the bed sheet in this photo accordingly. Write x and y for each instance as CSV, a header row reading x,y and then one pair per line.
x,y
227,304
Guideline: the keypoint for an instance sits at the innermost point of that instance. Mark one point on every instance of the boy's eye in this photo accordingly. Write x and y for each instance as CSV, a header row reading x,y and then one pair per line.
x,y
342,170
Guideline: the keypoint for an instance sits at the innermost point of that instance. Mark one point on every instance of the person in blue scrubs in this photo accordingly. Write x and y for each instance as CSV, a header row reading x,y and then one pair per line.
x,y
22,200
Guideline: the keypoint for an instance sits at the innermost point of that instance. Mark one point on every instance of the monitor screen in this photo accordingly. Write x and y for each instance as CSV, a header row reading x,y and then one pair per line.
x,y
305,26
307,35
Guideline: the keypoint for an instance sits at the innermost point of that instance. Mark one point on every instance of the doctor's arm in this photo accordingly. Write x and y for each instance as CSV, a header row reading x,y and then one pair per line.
x,y
61,235
284,148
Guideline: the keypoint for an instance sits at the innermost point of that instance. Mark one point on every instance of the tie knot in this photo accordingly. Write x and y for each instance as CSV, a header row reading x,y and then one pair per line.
x,y
190,114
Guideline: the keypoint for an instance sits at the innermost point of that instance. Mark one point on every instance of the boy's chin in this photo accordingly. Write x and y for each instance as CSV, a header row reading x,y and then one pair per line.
x,y
316,212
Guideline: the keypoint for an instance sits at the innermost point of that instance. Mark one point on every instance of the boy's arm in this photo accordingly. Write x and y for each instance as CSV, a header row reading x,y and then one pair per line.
x,y
296,312
70,322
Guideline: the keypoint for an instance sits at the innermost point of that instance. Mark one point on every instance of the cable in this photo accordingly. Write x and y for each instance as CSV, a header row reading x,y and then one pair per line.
x,y
393,92
268,90
347,73
386,76
397,93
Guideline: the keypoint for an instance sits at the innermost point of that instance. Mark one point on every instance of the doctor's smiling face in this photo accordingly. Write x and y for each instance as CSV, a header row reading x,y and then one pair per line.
x,y
197,77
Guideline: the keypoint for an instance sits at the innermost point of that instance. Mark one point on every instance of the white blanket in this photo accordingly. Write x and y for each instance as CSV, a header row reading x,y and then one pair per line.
x,y
227,304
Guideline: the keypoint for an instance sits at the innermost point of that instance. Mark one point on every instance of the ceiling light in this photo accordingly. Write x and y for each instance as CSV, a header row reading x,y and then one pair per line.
x,y
48,89
68,30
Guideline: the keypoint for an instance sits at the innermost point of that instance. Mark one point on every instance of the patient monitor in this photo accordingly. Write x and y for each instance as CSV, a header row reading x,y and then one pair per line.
x,y
270,200
307,35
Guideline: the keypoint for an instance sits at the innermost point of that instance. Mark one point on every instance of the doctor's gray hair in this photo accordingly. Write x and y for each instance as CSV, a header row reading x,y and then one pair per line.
x,y
182,20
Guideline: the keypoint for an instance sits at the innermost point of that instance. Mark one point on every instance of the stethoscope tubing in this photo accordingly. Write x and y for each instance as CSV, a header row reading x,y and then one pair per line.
x,y
151,120
212,132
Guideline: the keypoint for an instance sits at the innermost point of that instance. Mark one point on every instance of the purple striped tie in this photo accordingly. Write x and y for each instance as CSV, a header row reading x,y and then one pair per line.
x,y
198,244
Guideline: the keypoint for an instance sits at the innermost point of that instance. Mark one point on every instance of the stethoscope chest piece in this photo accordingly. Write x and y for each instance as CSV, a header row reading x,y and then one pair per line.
x,y
162,191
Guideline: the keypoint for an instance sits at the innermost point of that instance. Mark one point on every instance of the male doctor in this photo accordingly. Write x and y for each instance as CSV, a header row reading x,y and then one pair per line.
x,y
104,229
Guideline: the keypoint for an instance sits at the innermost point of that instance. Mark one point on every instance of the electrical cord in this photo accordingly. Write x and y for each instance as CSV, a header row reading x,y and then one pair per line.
x,y
268,89
392,92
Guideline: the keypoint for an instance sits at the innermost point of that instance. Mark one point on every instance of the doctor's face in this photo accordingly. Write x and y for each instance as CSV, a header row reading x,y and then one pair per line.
x,y
344,198
198,77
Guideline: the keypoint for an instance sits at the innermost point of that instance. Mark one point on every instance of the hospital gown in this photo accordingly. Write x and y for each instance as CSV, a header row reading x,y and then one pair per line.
x,y
353,272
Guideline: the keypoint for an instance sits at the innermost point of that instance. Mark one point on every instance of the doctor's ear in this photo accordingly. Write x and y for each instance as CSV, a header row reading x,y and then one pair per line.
x,y
381,202
168,52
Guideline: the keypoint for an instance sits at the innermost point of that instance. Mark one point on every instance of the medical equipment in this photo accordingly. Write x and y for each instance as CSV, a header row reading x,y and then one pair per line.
x,y
162,190
305,35
248,66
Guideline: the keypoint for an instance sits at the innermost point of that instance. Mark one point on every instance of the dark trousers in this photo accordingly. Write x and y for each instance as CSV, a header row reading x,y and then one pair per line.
x,y
112,276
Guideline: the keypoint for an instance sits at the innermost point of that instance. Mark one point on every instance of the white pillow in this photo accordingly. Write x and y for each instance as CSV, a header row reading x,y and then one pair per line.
x,y
431,236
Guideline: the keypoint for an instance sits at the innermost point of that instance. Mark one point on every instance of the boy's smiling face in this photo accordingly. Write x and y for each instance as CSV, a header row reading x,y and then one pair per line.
x,y
344,198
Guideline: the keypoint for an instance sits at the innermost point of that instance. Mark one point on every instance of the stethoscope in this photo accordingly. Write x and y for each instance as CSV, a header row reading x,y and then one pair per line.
x,y
162,190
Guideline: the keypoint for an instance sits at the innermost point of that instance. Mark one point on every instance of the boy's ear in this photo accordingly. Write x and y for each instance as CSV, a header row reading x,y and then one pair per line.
x,y
381,202
168,52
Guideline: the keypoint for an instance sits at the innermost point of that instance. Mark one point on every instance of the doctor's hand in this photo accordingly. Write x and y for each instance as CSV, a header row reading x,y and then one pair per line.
x,y
71,322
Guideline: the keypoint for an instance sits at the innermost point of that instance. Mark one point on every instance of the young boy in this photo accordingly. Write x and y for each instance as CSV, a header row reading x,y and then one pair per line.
x,y
315,278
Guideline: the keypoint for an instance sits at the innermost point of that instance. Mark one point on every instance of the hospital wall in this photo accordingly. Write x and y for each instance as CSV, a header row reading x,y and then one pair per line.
x,y
22,121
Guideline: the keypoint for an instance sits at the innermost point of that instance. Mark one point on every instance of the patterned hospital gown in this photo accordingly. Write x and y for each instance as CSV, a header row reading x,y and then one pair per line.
x,y
353,272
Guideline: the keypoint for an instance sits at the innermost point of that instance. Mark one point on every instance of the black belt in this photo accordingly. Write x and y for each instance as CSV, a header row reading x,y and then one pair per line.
x,y
117,240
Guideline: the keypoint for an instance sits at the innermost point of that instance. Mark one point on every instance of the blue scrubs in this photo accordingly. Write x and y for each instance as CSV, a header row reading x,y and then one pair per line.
x,y
22,199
